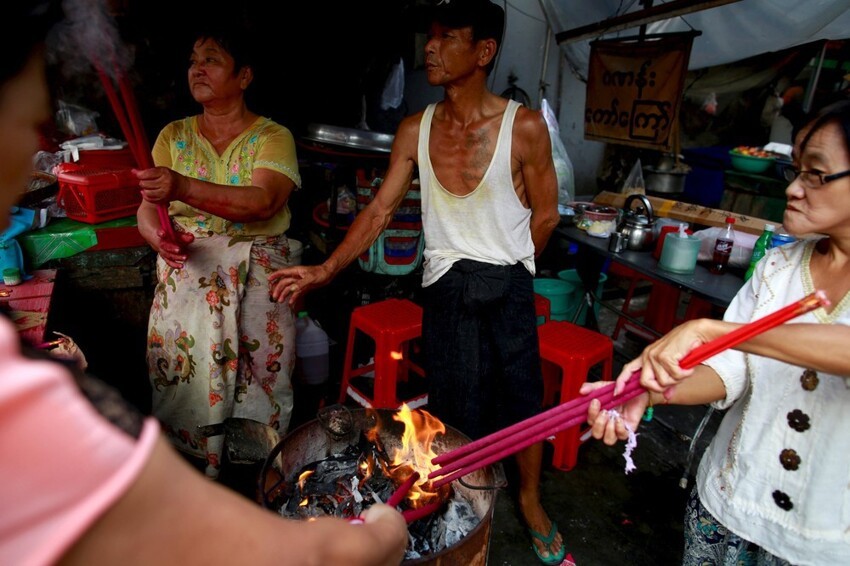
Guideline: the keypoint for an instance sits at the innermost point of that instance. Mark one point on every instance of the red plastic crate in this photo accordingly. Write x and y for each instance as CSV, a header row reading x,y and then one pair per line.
x,y
118,237
96,195
107,158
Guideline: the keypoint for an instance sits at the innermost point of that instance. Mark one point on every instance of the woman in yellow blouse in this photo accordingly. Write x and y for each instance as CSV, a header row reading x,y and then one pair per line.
x,y
217,346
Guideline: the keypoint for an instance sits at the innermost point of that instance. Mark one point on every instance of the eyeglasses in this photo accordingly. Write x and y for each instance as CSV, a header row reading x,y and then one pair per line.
x,y
811,179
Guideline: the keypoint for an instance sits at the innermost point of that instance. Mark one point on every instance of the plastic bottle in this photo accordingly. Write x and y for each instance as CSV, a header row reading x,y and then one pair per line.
x,y
723,248
311,350
759,248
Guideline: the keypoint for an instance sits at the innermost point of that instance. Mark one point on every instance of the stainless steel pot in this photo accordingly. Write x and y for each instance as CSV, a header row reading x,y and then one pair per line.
x,y
637,224
664,182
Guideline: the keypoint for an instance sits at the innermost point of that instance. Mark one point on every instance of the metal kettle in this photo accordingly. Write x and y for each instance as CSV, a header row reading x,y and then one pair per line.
x,y
637,224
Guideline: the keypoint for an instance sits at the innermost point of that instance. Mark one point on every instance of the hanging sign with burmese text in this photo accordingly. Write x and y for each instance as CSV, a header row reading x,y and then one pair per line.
x,y
634,89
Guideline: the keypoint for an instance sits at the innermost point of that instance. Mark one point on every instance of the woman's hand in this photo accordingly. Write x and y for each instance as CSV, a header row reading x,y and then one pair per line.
x,y
174,253
659,362
290,283
602,425
161,185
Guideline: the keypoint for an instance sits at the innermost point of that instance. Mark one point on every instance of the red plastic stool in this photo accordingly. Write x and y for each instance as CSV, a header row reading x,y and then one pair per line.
x,y
391,324
634,278
574,350
542,307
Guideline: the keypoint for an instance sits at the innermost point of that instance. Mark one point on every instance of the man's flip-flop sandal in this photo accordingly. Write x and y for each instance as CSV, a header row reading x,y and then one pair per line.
x,y
552,559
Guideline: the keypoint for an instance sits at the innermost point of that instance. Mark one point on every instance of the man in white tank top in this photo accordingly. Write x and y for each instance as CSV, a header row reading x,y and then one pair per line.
x,y
489,205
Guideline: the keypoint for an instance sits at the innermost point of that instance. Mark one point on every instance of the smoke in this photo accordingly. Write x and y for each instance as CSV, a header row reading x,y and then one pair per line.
x,y
87,38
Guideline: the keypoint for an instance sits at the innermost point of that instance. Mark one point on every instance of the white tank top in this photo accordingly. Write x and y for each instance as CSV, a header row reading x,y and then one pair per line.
x,y
489,224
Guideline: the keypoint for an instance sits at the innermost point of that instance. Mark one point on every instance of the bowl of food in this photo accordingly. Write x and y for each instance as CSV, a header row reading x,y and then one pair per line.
x,y
751,159
599,221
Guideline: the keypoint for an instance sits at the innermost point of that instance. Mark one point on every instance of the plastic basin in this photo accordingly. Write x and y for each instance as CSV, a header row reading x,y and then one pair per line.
x,y
576,296
750,163
558,292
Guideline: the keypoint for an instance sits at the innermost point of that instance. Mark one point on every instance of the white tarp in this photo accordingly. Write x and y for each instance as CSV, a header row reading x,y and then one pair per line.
x,y
729,33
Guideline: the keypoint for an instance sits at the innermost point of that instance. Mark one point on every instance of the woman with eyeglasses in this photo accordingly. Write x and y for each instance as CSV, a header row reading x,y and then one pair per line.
x,y
772,487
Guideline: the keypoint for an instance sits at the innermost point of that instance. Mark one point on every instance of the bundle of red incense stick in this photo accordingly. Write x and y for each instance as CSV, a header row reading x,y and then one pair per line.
x,y
127,113
492,448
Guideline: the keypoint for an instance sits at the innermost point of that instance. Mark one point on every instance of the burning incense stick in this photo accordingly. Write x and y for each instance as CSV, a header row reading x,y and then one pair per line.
x,y
496,446
130,122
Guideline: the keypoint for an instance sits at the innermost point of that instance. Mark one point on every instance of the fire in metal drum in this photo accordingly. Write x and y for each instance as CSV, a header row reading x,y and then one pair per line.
x,y
311,442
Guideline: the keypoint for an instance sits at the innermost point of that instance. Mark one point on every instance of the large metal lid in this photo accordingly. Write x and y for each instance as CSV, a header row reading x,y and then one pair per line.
x,y
350,137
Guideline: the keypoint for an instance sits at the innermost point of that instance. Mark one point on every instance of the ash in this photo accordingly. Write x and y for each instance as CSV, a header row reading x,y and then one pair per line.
x,y
336,488
439,531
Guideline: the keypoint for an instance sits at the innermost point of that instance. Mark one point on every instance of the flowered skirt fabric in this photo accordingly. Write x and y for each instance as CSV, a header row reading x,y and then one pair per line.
x,y
217,346
707,542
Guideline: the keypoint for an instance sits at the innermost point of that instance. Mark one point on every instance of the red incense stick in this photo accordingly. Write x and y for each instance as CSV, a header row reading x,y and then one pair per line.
x,y
414,514
530,435
130,122
141,141
744,333
401,492
546,416
492,448
145,159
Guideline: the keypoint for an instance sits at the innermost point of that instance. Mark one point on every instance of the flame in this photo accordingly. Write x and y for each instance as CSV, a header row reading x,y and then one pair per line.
x,y
302,479
415,454
396,355
304,502
367,467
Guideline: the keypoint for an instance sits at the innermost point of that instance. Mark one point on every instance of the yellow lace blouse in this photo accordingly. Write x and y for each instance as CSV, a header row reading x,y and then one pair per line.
x,y
265,144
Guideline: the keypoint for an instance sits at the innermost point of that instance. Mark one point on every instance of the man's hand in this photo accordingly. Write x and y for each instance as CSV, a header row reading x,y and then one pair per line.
x,y
290,283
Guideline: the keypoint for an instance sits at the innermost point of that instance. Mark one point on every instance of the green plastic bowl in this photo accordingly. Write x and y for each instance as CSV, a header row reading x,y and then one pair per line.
x,y
750,163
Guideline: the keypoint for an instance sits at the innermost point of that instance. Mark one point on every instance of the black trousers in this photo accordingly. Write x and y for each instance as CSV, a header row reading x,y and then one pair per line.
x,y
482,358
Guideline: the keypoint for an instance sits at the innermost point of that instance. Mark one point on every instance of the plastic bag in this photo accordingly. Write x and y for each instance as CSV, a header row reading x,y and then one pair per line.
x,y
634,182
563,165
393,93
76,120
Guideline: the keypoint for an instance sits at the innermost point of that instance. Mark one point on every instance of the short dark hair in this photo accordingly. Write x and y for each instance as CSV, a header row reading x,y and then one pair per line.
x,y
486,19
234,39
838,113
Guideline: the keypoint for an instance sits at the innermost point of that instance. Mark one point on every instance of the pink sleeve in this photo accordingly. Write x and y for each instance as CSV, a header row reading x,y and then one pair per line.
x,y
62,464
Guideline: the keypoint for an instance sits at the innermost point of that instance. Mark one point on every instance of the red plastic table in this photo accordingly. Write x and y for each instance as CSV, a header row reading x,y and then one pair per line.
x,y
29,303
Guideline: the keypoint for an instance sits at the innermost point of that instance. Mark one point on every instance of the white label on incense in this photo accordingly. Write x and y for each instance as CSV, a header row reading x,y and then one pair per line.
x,y
631,443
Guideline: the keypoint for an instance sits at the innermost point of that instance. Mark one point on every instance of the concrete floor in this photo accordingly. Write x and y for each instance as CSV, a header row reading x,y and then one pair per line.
x,y
608,517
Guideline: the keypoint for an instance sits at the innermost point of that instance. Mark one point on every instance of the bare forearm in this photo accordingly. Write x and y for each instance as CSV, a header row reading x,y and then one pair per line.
x,y
822,347
703,387
148,221
365,229
542,226
237,204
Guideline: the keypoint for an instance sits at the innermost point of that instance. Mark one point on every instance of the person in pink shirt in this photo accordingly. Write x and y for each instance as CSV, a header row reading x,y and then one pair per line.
x,y
85,480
